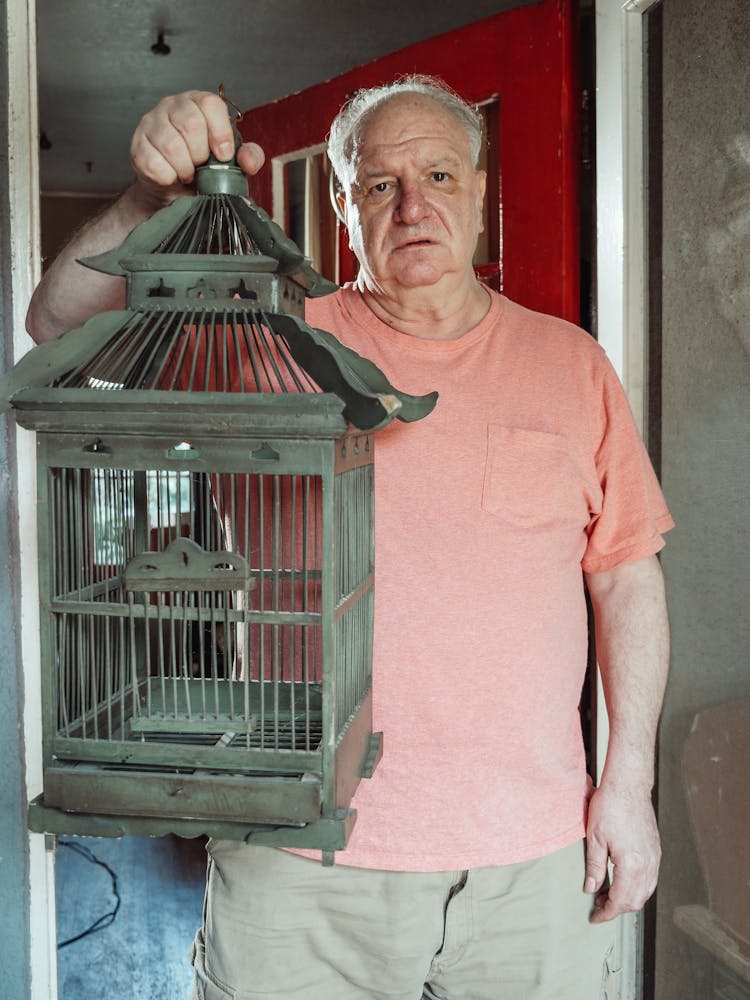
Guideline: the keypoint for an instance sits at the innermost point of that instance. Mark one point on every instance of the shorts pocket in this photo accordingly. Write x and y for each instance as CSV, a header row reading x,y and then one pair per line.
x,y
530,479
205,987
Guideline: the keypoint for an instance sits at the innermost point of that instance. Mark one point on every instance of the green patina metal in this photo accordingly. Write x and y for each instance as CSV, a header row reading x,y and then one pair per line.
x,y
205,480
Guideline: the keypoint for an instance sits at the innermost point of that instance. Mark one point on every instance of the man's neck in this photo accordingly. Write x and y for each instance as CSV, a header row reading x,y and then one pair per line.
x,y
425,313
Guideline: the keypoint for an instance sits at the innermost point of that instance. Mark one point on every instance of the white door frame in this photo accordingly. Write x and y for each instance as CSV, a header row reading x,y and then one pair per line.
x,y
622,285
622,323
25,245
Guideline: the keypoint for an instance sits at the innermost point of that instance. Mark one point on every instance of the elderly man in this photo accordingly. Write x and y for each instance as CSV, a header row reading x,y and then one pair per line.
x,y
478,867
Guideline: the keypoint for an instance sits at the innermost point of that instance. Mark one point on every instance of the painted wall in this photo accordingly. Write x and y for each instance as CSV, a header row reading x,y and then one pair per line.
x,y
63,215
706,428
14,856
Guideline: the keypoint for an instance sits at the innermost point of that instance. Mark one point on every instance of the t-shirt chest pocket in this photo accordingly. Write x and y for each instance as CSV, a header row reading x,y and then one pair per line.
x,y
530,479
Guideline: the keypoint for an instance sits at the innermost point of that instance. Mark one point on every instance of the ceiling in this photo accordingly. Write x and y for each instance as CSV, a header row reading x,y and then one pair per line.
x,y
98,75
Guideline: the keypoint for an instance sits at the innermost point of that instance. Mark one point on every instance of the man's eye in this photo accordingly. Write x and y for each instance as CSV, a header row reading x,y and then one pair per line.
x,y
439,175
380,188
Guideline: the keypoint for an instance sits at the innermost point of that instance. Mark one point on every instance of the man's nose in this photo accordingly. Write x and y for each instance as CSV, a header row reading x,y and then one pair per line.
x,y
411,207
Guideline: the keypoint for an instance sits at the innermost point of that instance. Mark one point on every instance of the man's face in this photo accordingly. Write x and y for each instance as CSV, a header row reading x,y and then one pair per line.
x,y
414,203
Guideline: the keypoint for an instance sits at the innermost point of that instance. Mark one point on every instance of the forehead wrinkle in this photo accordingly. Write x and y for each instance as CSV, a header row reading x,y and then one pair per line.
x,y
430,163
386,136
425,151
449,140
400,113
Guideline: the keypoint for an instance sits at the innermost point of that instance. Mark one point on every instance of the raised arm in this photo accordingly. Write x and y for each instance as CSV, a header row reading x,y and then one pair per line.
x,y
632,645
168,144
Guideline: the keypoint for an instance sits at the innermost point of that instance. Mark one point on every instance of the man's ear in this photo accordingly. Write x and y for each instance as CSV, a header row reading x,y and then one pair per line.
x,y
481,185
481,191
338,198
341,204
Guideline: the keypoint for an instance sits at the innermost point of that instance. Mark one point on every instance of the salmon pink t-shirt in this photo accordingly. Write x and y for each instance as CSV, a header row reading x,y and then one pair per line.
x,y
529,470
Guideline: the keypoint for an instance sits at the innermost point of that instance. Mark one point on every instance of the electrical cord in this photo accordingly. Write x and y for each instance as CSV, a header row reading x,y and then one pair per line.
x,y
107,918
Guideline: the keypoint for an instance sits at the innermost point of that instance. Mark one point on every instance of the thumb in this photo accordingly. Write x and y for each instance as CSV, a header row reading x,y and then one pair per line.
x,y
596,865
250,158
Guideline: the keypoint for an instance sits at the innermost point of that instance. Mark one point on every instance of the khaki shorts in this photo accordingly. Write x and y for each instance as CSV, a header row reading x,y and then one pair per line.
x,y
278,925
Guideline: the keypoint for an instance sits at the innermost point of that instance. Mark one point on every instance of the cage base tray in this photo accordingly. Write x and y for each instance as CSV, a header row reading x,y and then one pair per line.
x,y
327,834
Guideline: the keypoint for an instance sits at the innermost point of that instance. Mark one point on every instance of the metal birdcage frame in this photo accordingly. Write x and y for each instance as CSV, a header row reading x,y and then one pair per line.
x,y
206,494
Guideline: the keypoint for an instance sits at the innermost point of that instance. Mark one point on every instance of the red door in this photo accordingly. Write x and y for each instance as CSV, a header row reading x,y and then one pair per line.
x,y
521,67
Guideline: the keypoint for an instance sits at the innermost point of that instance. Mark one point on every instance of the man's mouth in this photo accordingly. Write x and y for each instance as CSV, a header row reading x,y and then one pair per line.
x,y
408,244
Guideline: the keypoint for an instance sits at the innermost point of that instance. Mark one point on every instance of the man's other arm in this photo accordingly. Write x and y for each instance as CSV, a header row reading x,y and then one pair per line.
x,y
632,646
70,293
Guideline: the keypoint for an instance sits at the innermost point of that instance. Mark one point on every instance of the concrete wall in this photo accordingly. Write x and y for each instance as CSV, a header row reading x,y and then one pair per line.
x,y
706,428
14,854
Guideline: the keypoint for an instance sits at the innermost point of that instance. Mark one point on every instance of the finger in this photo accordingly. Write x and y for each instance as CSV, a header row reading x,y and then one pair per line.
x,y
609,904
250,158
185,128
182,130
217,125
596,865
151,165
628,893
159,148
604,909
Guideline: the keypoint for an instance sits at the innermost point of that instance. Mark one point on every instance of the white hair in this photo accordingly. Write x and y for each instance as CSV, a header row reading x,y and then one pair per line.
x,y
348,122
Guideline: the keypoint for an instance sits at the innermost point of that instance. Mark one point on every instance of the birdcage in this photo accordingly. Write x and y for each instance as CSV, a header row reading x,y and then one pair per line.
x,y
205,483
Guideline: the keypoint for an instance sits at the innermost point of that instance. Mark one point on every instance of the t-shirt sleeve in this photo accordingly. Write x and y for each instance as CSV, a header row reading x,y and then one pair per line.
x,y
633,513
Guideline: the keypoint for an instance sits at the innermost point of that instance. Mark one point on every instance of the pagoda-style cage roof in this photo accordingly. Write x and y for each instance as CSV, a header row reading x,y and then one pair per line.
x,y
213,326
